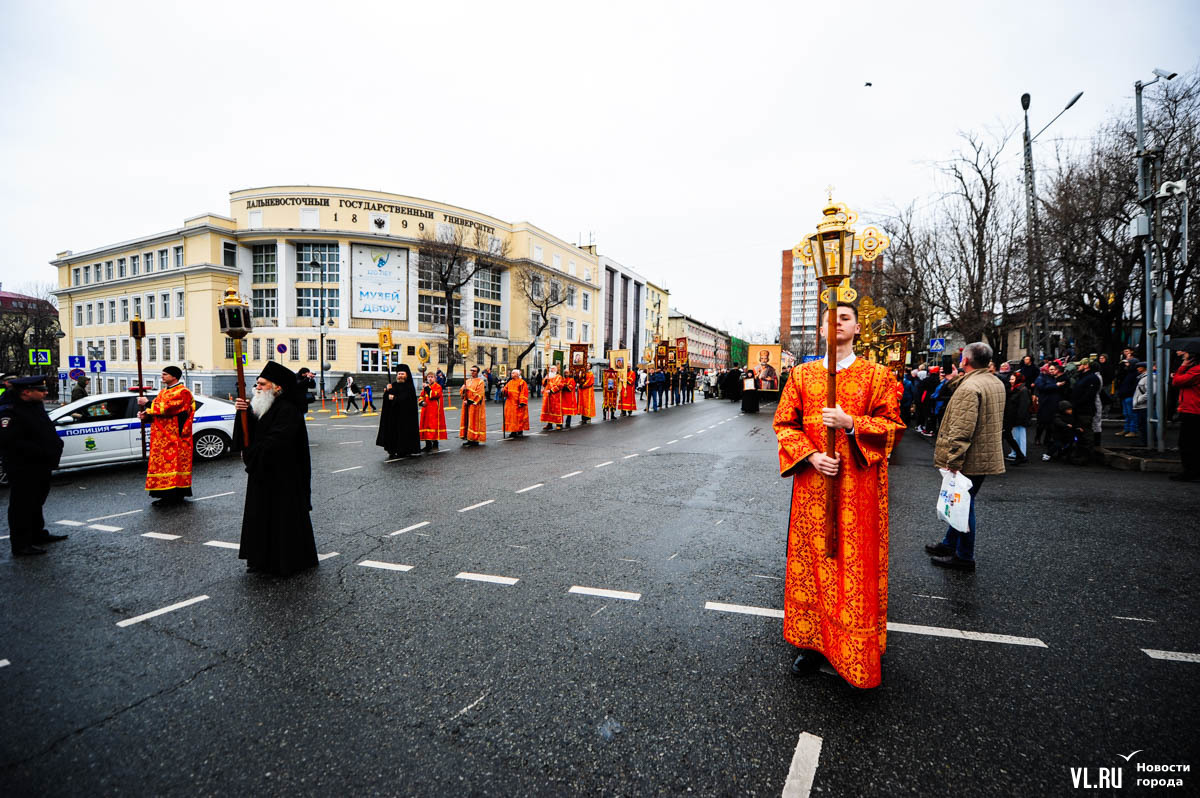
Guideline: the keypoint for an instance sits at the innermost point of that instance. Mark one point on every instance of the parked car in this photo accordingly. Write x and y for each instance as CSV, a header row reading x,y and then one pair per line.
x,y
104,429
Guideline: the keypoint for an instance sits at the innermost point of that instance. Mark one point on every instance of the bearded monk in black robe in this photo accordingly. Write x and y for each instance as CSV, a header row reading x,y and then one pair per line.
x,y
399,422
277,533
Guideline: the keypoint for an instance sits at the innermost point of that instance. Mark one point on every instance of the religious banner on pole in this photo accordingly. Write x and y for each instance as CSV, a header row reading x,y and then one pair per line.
x,y
578,365
618,360
660,356
681,351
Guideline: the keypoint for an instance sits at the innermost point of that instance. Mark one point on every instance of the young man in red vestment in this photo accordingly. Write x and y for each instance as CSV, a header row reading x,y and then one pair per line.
x,y
587,397
628,400
837,606
433,413
169,475
551,400
472,426
516,404
570,399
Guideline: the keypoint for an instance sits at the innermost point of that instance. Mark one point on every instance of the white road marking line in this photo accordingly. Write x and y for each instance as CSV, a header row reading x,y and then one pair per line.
x,y
572,474
719,522
437,451
1127,618
654,448
105,527
311,445
387,566
804,767
70,523
531,487
685,437
626,559
742,609
939,598
597,612
701,431
348,443
515,546
626,457
477,506
355,426
410,528
395,460
674,441
602,593
962,634
1175,656
214,496
326,555
422,535
469,707
673,556
340,470
4,663
496,580
221,544
163,611
160,536
602,465
114,515
765,576
3,537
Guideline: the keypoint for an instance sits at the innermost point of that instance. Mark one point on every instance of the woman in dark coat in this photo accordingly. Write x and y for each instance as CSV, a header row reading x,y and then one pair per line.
x,y
399,421
750,396
277,533
732,387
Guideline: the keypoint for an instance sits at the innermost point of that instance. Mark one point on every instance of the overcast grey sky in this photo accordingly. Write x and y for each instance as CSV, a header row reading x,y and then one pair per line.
x,y
692,139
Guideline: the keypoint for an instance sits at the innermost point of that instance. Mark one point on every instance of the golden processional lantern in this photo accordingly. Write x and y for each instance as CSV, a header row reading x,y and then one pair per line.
x,y
234,316
831,252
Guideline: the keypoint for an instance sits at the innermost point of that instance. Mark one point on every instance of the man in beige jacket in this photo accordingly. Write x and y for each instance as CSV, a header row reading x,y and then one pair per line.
x,y
969,442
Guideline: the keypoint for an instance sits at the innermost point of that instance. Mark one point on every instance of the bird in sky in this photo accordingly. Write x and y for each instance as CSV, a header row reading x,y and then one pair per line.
x,y
868,83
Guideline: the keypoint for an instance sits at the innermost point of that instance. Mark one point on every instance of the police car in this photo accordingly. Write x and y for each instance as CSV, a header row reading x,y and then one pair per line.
x,y
104,429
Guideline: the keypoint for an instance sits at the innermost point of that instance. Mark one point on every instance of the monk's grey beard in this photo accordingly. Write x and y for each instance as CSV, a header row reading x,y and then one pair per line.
x,y
261,402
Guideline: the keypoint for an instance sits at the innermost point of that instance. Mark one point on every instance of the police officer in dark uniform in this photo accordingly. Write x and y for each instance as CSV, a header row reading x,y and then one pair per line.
x,y
31,449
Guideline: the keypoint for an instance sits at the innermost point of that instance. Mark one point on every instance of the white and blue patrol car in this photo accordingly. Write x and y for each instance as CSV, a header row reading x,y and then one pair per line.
x,y
104,429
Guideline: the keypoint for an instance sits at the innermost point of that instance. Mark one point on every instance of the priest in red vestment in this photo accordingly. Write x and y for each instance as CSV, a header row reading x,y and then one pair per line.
x,y
628,401
433,413
552,386
570,399
472,427
169,475
836,607
587,397
516,404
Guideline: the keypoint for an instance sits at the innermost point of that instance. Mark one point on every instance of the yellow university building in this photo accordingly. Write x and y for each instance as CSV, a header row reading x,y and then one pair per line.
x,y
303,255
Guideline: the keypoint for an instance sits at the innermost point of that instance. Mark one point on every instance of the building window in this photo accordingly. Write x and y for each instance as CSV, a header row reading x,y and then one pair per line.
x,y
586,334
256,348
432,309
180,304
162,260
270,348
570,296
487,316
79,315
555,290
587,275
108,270
487,284
331,349
262,302
164,305
90,314
148,262
443,354
554,326
178,258
179,346
570,329
137,306
75,276
571,268
149,306
98,276
166,347
151,348
326,254
229,254
294,348
535,286
124,310
537,254
262,259
312,350
112,311
125,349
586,300
427,277
79,348
557,261
99,312
308,303
535,319
134,262
87,275
229,353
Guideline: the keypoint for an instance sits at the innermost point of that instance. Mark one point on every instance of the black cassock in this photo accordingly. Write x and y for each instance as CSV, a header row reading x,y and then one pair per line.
x,y
277,532
750,398
399,423
732,389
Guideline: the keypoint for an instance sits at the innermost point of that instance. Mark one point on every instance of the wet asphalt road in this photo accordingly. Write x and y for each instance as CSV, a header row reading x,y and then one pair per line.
x,y
352,679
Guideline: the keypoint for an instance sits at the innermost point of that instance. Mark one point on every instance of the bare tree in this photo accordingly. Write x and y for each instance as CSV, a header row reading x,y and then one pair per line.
x,y
29,323
543,293
448,260
906,291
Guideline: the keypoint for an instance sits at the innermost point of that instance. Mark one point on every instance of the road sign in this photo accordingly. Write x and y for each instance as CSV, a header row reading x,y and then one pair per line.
x,y
39,357
62,375
76,361
937,344
75,373
97,366
281,348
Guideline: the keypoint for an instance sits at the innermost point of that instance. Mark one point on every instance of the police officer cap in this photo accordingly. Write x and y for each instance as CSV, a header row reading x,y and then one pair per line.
x,y
35,381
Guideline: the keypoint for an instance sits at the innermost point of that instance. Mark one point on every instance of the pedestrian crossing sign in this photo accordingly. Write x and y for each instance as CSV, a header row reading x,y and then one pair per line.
x,y
39,357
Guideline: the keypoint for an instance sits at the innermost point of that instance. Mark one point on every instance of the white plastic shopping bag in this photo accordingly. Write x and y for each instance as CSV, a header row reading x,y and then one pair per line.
x,y
954,502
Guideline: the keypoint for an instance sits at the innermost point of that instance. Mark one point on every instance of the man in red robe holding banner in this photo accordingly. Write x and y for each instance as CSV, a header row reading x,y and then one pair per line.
x,y
837,606
551,400
587,397
610,390
628,401
472,426
570,399
433,413
169,475
516,404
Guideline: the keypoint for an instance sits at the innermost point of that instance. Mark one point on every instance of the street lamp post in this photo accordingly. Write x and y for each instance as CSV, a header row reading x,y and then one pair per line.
x,y
1039,338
